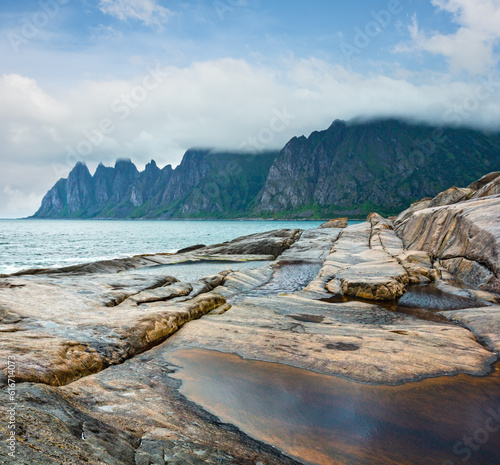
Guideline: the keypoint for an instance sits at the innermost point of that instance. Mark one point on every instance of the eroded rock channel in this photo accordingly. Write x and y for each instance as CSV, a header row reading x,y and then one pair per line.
x,y
370,310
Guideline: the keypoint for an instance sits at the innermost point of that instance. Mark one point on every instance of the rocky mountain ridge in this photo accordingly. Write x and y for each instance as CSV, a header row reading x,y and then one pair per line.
x,y
350,169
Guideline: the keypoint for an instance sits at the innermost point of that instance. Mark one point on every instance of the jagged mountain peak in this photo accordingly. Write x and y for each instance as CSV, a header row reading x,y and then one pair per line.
x,y
124,163
152,167
348,169
80,167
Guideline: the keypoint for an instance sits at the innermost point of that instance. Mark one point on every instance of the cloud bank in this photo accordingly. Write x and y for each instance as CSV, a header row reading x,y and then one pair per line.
x,y
224,103
472,46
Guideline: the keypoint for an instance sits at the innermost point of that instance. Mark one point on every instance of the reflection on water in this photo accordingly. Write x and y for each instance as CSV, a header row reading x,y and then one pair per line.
x,y
327,420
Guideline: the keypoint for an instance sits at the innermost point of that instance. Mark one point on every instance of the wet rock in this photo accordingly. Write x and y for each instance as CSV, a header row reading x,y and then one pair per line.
x,y
94,321
128,415
343,347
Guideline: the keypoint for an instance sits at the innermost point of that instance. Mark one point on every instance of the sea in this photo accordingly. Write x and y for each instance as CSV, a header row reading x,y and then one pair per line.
x,y
27,244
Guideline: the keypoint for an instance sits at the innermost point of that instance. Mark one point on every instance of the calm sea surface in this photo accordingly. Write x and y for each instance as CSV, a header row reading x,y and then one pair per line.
x,y
53,243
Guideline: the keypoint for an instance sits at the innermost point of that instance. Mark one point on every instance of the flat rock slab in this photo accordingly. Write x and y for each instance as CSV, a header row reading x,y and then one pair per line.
x,y
360,341
55,353
67,323
313,246
62,326
361,271
483,322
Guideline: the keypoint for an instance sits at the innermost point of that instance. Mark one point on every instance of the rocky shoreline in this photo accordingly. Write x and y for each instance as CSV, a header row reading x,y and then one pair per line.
x,y
90,341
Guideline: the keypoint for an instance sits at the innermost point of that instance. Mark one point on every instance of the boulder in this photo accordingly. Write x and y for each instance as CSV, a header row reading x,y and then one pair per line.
x,y
451,196
491,188
269,243
374,280
335,223
484,180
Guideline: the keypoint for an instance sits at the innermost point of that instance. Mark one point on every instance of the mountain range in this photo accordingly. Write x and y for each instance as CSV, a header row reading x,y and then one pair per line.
x,y
350,169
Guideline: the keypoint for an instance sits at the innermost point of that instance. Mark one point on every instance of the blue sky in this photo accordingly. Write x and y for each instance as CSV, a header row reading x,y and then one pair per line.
x,y
100,45
165,75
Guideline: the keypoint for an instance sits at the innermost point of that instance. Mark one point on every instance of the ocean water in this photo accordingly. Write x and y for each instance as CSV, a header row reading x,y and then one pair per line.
x,y
28,244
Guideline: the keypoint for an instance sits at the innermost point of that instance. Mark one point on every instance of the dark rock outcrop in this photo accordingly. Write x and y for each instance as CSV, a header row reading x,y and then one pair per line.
x,y
269,243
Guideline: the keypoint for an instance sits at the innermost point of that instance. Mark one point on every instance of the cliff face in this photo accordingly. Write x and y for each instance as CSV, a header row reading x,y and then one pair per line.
x,y
350,169
375,166
206,183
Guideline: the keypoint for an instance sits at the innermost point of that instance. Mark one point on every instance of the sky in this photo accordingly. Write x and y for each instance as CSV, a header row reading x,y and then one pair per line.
x,y
98,80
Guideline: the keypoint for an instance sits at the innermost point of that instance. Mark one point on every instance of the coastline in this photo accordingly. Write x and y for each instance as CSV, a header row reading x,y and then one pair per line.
x,y
378,303
184,219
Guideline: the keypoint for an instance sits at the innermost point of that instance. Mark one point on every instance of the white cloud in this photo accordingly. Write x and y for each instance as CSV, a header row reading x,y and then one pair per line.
x,y
147,11
472,46
219,103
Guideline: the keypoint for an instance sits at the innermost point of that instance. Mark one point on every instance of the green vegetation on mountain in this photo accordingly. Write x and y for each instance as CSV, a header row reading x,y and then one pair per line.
x,y
350,169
